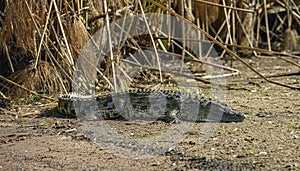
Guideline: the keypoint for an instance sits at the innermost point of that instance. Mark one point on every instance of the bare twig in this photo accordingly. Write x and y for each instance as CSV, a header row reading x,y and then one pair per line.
x,y
283,74
245,32
9,60
152,40
110,46
296,16
204,62
2,95
264,51
69,56
267,25
224,6
43,35
171,72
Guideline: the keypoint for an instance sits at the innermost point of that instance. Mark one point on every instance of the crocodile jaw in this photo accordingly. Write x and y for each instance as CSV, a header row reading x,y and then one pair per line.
x,y
233,117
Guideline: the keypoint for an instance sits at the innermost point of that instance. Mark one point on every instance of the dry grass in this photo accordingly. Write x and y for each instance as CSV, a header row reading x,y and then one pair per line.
x,y
40,41
44,80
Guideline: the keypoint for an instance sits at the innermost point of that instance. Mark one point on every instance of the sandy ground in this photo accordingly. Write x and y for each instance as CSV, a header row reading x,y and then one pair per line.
x,y
268,139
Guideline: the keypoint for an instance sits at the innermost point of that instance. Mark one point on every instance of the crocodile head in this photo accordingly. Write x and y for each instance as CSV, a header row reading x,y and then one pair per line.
x,y
233,117
230,115
220,112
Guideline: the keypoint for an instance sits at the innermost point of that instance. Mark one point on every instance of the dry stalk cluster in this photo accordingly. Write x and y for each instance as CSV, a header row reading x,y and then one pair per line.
x,y
41,40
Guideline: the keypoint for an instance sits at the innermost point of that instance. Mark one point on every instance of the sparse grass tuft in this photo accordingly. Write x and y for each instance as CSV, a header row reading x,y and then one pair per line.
x,y
292,127
252,150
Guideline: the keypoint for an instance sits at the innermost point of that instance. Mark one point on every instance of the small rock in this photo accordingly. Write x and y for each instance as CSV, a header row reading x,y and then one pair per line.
x,y
156,164
37,103
295,137
262,153
261,115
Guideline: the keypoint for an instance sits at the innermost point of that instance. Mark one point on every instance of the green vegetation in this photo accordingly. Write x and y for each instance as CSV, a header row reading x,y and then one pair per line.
x,y
292,126
252,150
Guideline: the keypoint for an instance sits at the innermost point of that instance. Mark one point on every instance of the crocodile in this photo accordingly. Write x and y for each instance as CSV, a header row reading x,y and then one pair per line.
x,y
153,105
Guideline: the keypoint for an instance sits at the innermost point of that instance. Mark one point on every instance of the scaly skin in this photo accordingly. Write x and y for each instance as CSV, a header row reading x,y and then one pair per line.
x,y
150,105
